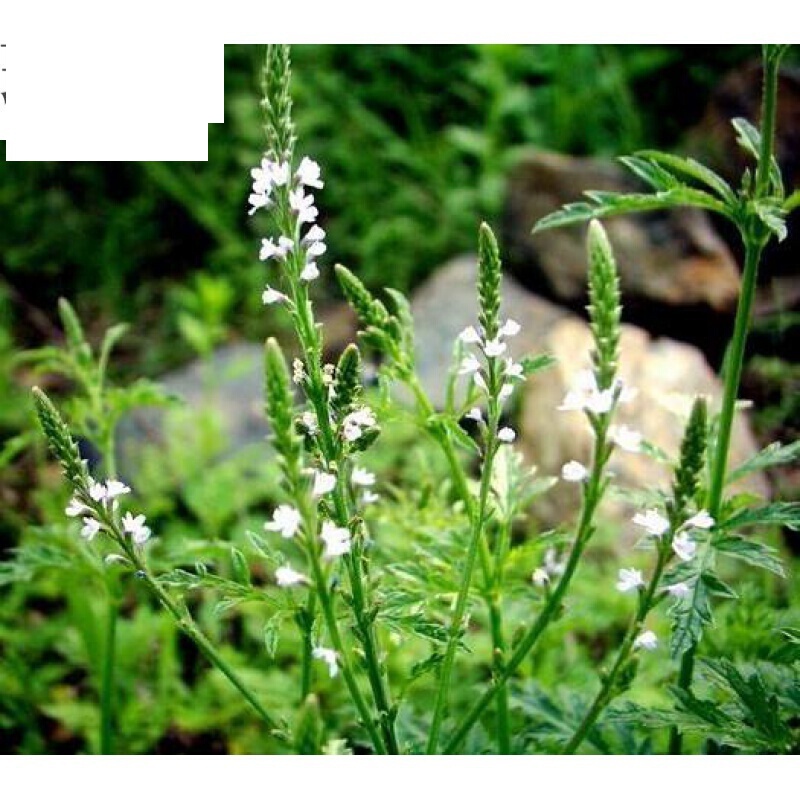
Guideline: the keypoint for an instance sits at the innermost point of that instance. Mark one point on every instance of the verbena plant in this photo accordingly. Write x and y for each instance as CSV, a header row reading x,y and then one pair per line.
x,y
328,576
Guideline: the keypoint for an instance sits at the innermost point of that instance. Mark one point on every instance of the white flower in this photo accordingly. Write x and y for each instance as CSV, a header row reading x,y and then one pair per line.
x,y
286,576
469,335
625,438
75,508
678,589
308,419
315,249
136,527
280,173
368,497
626,393
629,579
574,472
652,522
475,414
336,539
354,423
506,435
116,488
600,402
684,546
285,519
298,371
509,328
494,348
363,477
646,640
540,577
271,250
324,483
270,296
585,395
329,657
303,205
97,491
506,390
310,272
90,529
552,564
308,173
702,519
258,200
513,369
314,234
469,364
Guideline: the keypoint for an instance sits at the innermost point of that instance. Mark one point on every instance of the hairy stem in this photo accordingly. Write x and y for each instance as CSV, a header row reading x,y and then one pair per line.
x,y
108,676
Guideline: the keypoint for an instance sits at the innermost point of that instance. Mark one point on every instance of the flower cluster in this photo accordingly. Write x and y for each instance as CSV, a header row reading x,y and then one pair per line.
x,y
679,543
492,348
105,496
585,395
269,177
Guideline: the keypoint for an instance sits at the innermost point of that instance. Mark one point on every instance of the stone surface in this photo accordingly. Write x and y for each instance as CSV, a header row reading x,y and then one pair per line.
x,y
668,374
445,304
672,259
230,385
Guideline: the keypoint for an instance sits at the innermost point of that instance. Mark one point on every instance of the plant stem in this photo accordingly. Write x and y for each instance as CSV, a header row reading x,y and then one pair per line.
x,y
592,496
491,577
308,647
107,677
608,688
188,626
309,341
754,238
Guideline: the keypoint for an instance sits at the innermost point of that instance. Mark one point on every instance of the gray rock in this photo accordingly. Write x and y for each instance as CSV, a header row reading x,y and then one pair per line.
x,y
672,258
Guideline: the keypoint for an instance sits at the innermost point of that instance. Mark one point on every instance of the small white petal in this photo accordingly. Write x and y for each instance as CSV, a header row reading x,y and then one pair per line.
x,y
469,365
506,435
368,497
363,477
646,640
684,546
116,488
540,577
310,272
678,589
494,348
629,580
286,576
469,335
702,519
324,483
91,527
270,296
337,540
509,328
329,657
286,519
574,472
654,523
625,438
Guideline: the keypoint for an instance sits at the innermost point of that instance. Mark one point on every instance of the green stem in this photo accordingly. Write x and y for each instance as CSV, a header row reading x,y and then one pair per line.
x,y
592,496
308,647
107,677
188,626
309,341
477,544
491,577
608,690
755,239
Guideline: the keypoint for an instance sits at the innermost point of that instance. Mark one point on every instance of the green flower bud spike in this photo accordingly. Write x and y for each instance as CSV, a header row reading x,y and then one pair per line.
x,y
277,103
604,307
60,440
489,275
692,459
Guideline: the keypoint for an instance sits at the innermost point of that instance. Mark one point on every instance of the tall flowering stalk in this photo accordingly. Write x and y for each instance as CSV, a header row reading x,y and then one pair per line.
x,y
596,394
672,534
335,424
97,504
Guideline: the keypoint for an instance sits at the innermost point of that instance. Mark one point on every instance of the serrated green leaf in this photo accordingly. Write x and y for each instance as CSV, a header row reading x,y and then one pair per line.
x,y
717,587
271,634
689,168
651,173
773,455
689,616
771,214
781,513
533,364
757,554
